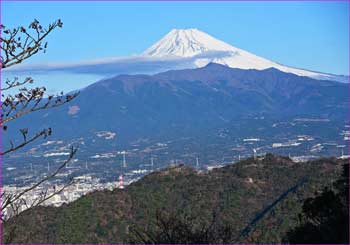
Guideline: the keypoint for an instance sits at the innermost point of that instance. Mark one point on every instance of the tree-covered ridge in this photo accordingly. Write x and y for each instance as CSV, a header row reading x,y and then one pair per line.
x,y
325,218
252,191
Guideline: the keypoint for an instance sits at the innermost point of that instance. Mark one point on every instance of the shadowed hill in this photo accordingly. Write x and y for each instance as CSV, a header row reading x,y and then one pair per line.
x,y
237,194
184,102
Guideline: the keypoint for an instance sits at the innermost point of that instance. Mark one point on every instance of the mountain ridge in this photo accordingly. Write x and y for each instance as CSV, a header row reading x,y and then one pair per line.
x,y
193,42
238,192
188,97
179,49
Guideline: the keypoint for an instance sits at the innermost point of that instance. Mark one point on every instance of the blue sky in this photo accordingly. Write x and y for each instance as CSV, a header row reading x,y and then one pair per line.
x,y
310,35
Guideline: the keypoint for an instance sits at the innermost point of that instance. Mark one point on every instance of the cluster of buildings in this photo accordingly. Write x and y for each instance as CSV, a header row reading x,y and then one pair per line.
x,y
345,134
65,193
86,183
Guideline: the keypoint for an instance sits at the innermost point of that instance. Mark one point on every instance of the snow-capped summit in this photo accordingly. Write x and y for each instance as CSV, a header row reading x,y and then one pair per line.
x,y
187,43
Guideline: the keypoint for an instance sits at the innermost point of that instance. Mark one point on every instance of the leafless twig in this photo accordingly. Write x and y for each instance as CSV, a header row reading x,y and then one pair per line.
x,y
19,44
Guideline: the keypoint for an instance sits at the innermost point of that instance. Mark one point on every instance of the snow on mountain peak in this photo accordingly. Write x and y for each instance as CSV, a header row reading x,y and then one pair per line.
x,y
186,43
195,44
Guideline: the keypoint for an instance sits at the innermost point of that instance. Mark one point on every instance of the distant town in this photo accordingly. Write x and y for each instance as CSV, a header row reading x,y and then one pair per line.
x,y
98,169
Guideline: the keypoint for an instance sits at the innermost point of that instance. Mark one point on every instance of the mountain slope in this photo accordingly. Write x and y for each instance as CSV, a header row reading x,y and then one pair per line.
x,y
190,101
237,193
179,49
193,42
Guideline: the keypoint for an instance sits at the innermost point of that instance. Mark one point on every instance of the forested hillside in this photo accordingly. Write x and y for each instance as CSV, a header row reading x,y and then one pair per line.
x,y
255,200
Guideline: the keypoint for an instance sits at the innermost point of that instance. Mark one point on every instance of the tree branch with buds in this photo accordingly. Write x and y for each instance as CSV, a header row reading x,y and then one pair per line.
x,y
18,45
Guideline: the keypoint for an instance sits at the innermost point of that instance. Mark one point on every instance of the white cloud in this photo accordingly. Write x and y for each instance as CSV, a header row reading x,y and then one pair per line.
x,y
119,65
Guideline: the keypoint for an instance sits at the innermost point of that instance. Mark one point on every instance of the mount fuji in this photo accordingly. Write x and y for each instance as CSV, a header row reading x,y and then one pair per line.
x,y
179,49
204,49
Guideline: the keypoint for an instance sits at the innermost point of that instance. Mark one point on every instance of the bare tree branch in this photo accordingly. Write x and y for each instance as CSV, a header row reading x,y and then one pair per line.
x,y
15,83
45,198
72,153
28,101
44,132
16,46
16,51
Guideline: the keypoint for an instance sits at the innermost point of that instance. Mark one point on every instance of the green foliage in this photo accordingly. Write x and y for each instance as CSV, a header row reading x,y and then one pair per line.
x,y
325,218
74,222
235,193
171,228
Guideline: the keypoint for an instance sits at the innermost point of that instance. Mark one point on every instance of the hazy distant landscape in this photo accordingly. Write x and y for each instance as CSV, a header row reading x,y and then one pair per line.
x,y
192,140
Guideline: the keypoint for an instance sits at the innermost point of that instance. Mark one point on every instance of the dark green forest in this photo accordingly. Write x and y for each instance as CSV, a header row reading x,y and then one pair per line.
x,y
269,199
